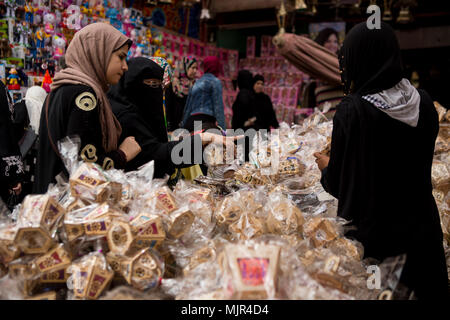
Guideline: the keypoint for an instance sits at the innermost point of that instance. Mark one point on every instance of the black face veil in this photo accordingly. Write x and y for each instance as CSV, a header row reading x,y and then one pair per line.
x,y
143,96
370,60
147,100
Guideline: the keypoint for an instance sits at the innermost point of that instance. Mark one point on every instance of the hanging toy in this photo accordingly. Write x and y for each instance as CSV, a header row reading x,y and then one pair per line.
x,y
139,51
38,16
29,12
59,46
127,26
41,35
13,80
10,8
47,82
49,22
58,4
58,15
99,10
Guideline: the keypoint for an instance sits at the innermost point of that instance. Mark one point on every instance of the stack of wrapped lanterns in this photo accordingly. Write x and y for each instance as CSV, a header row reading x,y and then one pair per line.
x,y
257,235
440,174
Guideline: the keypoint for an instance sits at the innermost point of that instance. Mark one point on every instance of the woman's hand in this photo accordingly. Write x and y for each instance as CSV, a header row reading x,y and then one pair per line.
x,y
321,160
208,138
17,189
130,147
250,122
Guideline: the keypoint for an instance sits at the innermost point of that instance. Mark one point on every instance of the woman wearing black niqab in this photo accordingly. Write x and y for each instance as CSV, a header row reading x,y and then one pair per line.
x,y
146,99
265,115
243,106
379,169
139,109
137,102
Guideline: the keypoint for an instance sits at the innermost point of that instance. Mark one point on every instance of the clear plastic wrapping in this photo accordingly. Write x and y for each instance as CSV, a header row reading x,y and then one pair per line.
x,y
283,216
262,234
90,183
241,214
89,276
129,293
142,269
10,289
321,231
440,175
250,271
8,249
440,110
37,224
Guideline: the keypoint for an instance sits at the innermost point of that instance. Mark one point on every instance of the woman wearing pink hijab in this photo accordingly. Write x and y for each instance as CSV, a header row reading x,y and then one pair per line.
x,y
78,105
205,102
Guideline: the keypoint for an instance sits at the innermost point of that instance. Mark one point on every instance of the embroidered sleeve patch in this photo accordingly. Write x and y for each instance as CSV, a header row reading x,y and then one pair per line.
x,y
89,153
108,163
86,101
13,161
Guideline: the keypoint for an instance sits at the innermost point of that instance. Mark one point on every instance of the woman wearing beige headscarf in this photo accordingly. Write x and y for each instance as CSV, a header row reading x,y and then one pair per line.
x,y
78,105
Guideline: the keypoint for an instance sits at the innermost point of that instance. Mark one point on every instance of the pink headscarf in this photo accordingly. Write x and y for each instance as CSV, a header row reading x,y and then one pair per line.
x,y
211,64
87,60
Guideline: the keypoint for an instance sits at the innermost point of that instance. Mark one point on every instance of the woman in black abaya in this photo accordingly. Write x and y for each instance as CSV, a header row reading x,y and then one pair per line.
x,y
244,105
138,107
379,169
265,115
11,166
137,102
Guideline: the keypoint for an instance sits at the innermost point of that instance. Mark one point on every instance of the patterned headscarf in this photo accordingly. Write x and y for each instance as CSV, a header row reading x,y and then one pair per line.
x,y
167,79
181,83
168,72
187,63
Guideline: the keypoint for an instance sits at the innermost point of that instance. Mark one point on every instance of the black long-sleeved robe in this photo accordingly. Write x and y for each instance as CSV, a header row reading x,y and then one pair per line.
x,y
154,146
380,171
73,110
244,105
11,166
265,115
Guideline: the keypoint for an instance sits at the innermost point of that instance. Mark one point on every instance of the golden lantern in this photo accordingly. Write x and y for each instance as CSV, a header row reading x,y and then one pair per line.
x,y
300,5
387,16
281,18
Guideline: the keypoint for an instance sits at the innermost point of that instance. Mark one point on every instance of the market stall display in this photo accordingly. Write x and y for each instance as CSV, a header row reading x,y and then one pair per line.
x,y
261,234
35,34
